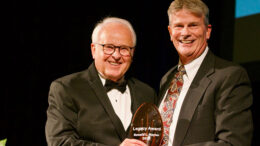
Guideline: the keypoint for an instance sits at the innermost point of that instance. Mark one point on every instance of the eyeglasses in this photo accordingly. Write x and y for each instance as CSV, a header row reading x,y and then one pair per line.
x,y
110,49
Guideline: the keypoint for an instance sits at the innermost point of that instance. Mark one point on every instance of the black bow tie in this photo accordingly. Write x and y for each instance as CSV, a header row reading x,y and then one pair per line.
x,y
109,85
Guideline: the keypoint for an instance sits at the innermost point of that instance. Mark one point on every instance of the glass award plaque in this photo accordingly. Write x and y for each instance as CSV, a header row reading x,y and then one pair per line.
x,y
147,125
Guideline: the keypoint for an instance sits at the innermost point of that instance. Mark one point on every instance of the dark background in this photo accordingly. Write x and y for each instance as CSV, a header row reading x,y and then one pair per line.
x,y
48,39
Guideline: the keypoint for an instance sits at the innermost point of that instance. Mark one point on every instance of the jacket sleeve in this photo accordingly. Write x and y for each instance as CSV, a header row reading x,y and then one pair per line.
x,y
233,118
62,119
234,124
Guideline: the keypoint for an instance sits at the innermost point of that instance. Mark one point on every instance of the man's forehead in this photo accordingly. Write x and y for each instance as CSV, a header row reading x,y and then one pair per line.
x,y
188,11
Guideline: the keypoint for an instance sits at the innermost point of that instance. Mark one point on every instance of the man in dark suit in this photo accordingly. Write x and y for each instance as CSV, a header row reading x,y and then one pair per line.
x,y
204,100
84,108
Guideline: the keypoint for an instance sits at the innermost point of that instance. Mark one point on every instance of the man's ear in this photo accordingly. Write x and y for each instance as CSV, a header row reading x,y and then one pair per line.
x,y
209,28
93,50
132,52
170,32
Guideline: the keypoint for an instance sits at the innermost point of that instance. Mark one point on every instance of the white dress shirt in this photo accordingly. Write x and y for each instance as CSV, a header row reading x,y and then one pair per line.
x,y
191,71
121,103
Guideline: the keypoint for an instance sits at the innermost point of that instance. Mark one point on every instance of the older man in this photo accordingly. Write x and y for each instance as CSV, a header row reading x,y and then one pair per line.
x,y
204,100
95,106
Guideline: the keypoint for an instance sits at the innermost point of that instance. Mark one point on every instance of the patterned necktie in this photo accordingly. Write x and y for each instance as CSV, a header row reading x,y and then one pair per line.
x,y
170,102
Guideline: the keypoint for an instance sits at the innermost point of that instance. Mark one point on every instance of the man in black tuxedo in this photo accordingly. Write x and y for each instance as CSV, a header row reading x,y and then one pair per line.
x,y
211,96
95,106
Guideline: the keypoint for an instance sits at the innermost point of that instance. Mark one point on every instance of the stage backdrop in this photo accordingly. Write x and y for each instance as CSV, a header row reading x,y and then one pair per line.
x,y
47,39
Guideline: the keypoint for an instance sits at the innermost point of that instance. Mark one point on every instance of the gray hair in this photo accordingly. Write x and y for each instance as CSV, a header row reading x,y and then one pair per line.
x,y
197,7
107,20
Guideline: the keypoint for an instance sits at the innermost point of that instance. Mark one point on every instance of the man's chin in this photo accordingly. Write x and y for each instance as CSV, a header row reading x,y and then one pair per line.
x,y
185,51
114,77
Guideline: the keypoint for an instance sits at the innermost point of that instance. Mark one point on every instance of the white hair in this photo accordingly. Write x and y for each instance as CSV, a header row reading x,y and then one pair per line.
x,y
107,20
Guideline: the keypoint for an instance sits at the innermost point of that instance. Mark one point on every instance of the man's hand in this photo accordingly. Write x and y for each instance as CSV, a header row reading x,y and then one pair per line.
x,y
132,142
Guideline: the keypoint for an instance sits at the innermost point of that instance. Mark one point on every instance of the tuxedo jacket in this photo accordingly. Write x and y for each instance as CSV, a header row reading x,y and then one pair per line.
x,y
216,108
80,112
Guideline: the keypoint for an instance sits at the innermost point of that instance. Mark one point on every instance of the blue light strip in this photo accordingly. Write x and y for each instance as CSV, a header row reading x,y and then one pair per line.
x,y
247,7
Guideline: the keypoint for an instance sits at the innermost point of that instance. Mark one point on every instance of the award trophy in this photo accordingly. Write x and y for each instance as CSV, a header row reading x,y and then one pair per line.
x,y
147,125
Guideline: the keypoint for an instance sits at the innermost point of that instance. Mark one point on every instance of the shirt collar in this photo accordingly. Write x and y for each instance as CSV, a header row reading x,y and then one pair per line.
x,y
103,80
192,67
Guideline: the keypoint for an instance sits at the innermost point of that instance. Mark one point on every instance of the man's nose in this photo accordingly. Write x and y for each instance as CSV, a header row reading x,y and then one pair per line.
x,y
116,55
185,31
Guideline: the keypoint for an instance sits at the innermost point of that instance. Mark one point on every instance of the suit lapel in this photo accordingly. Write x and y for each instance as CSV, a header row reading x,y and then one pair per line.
x,y
193,97
101,94
166,84
134,104
134,99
